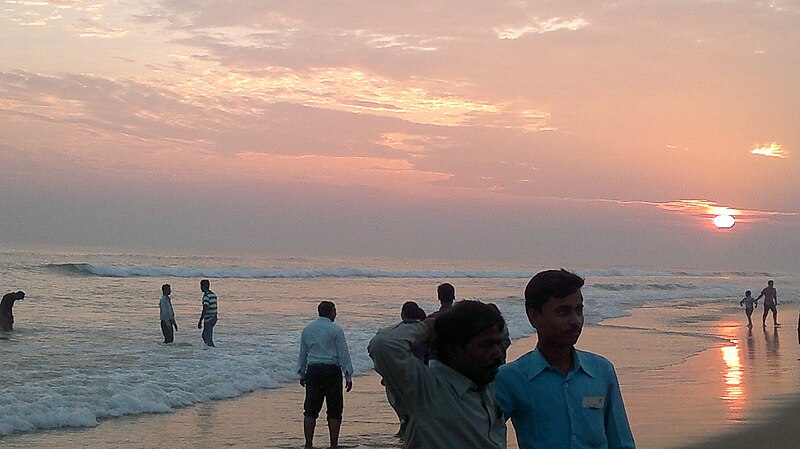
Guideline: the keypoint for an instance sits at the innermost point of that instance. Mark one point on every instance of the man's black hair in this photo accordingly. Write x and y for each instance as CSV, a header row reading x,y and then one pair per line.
x,y
446,292
550,284
325,308
463,322
412,311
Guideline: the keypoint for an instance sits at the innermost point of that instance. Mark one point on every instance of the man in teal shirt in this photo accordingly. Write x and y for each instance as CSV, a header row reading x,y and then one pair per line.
x,y
559,397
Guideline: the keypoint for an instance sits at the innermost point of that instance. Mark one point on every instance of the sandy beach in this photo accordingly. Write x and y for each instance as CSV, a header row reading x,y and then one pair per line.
x,y
742,392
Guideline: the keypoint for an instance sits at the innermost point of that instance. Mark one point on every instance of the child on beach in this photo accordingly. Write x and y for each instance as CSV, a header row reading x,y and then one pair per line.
x,y
749,304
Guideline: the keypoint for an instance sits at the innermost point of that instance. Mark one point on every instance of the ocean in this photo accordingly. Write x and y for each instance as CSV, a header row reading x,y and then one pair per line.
x,y
87,345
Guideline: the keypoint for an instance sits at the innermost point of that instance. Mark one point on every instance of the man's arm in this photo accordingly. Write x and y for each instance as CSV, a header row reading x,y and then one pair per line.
x,y
202,315
172,314
503,387
302,360
618,430
343,353
402,372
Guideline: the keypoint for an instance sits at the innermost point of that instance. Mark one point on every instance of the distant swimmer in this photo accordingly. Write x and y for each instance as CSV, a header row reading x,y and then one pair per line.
x,y
6,306
167,314
770,303
749,304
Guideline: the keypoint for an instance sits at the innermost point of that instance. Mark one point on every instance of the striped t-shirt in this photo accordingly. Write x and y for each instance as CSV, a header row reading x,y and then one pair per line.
x,y
210,303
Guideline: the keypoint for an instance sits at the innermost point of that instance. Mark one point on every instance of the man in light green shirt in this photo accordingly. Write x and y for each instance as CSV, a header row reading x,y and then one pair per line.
x,y
451,402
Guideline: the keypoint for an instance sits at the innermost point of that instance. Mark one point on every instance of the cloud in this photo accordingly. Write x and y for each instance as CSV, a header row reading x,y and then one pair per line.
x,y
771,150
541,27
697,209
704,209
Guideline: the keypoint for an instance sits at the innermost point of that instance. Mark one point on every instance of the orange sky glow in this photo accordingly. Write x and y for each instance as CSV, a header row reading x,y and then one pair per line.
x,y
496,130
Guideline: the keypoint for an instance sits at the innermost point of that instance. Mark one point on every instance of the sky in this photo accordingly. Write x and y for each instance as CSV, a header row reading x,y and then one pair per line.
x,y
565,133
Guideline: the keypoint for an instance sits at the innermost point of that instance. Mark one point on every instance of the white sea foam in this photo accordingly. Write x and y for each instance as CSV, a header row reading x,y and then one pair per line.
x,y
347,272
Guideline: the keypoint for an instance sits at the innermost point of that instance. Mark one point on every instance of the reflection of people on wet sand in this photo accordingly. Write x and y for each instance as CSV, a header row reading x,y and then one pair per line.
x,y
6,306
770,303
773,343
749,303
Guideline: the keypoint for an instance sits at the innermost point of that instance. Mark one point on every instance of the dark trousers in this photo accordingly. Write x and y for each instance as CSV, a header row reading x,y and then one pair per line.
x,y
166,329
208,331
324,382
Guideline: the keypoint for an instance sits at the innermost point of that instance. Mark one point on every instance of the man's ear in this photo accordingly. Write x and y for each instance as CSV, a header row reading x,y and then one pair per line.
x,y
533,315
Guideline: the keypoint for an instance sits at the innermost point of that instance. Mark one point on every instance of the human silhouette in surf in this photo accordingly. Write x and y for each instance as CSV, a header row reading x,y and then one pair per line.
x,y
770,296
6,309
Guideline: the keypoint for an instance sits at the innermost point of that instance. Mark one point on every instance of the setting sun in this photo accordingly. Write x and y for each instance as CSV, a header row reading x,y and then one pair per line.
x,y
724,221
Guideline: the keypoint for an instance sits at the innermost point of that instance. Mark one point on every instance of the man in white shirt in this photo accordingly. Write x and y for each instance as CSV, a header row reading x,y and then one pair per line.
x,y
323,358
167,314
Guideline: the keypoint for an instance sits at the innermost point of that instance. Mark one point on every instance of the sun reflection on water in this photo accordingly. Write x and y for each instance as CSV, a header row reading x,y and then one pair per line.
x,y
734,394
733,373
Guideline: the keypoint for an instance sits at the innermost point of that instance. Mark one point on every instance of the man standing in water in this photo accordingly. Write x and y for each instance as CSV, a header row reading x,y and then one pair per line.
x,y
447,295
559,397
208,316
770,296
167,314
6,309
323,358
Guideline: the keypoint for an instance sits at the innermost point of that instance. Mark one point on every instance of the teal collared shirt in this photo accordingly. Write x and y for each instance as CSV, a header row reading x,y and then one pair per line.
x,y
581,410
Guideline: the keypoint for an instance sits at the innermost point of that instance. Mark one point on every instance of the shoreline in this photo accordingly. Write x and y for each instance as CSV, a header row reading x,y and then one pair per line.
x,y
726,395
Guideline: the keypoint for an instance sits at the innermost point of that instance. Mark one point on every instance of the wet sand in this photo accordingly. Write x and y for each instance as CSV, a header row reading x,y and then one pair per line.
x,y
742,392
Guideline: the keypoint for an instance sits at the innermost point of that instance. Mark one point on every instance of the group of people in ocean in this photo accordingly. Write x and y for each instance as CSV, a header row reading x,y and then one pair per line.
x,y
446,378
770,295
446,375
208,316
207,321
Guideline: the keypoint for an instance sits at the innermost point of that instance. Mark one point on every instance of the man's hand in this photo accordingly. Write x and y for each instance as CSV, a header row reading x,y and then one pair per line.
x,y
200,325
302,382
348,385
175,324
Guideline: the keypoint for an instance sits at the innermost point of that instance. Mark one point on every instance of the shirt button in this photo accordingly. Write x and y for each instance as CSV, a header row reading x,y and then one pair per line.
x,y
566,385
574,438
572,410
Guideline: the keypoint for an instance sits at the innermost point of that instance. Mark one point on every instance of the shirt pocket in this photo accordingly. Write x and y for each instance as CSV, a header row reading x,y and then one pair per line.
x,y
595,427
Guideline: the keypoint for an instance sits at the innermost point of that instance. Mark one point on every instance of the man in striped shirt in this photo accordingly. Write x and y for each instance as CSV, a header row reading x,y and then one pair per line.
x,y
209,314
